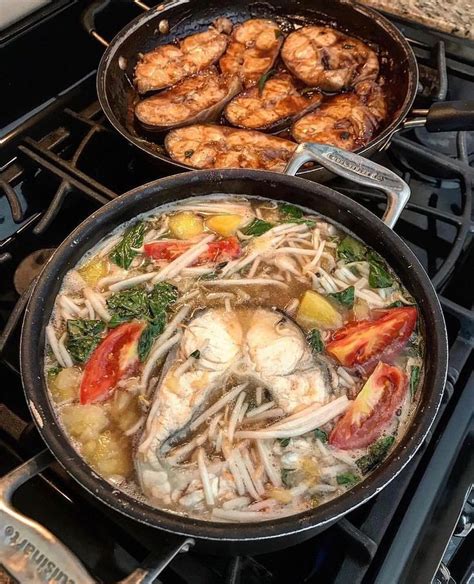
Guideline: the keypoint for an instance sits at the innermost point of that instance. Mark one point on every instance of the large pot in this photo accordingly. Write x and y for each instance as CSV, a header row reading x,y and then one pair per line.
x,y
141,35
211,536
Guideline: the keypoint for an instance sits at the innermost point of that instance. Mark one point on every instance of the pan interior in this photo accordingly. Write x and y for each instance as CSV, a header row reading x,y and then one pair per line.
x,y
332,205
115,75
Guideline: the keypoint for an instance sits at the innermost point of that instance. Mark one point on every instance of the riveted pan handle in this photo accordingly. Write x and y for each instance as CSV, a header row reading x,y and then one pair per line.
x,y
359,170
94,8
31,553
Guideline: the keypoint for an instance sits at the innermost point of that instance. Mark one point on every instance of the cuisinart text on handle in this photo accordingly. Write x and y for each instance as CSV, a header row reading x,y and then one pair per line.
x,y
351,165
46,569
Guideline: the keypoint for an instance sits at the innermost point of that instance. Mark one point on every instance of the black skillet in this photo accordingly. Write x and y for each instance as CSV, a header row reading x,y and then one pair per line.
x,y
185,17
212,537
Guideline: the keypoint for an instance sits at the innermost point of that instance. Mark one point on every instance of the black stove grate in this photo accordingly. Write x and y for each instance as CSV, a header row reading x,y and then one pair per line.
x,y
64,161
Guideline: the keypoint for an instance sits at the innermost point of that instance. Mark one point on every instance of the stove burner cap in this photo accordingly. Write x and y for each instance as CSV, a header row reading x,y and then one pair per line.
x,y
30,267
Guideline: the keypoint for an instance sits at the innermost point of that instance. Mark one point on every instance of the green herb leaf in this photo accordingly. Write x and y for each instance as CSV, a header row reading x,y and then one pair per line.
x,y
210,276
53,371
379,276
414,379
278,33
396,304
345,297
377,452
149,334
286,476
315,341
128,305
257,227
188,153
83,336
263,79
348,478
321,435
123,254
308,222
290,211
284,442
161,297
351,250
196,354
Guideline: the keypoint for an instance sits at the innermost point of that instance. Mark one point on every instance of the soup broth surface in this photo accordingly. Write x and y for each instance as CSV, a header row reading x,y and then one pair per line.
x,y
233,358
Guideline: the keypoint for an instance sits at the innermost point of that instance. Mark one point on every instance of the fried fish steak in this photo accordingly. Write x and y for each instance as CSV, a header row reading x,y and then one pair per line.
x,y
252,51
196,99
271,107
168,64
330,60
348,121
213,146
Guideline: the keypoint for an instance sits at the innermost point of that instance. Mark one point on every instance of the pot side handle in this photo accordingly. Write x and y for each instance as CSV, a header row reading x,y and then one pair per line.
x,y
31,553
358,169
94,8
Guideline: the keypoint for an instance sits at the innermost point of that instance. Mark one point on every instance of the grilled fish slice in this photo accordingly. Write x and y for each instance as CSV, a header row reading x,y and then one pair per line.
x,y
212,146
347,121
328,59
271,108
199,98
168,64
253,49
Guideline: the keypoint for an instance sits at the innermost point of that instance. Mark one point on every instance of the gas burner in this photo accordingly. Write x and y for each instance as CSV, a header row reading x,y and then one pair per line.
x,y
29,268
443,145
421,170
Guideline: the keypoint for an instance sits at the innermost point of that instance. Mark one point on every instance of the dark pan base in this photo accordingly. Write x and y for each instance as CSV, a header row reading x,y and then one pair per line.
x,y
234,538
114,85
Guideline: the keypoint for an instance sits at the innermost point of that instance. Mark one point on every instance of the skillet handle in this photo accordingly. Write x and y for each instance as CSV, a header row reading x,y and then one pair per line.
x,y
94,8
31,553
446,116
359,170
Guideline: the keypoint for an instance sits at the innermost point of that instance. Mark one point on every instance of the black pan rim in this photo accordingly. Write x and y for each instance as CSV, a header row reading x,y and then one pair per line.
x,y
378,142
37,395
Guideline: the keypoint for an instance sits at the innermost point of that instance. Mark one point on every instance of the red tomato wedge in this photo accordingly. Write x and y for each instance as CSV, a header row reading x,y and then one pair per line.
x,y
360,341
217,251
372,410
115,356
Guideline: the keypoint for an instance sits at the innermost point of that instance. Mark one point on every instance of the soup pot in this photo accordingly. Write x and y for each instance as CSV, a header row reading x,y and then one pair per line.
x,y
214,537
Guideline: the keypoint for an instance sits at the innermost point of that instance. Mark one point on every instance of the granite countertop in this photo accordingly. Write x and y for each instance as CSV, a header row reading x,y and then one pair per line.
x,y
450,16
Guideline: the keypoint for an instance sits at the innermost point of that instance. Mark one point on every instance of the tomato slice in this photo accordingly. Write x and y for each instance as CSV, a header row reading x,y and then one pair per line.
x,y
217,251
111,360
358,342
372,410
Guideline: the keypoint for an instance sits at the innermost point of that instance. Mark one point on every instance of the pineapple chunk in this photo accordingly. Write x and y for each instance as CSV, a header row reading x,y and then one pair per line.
x,y
315,311
280,494
110,454
65,385
225,225
125,410
361,309
185,225
85,422
94,270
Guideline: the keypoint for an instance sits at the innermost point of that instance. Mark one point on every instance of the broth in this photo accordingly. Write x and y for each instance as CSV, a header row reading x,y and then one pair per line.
x,y
233,358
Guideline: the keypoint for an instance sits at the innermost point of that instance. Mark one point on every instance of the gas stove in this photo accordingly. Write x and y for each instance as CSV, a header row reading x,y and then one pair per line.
x,y
60,160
